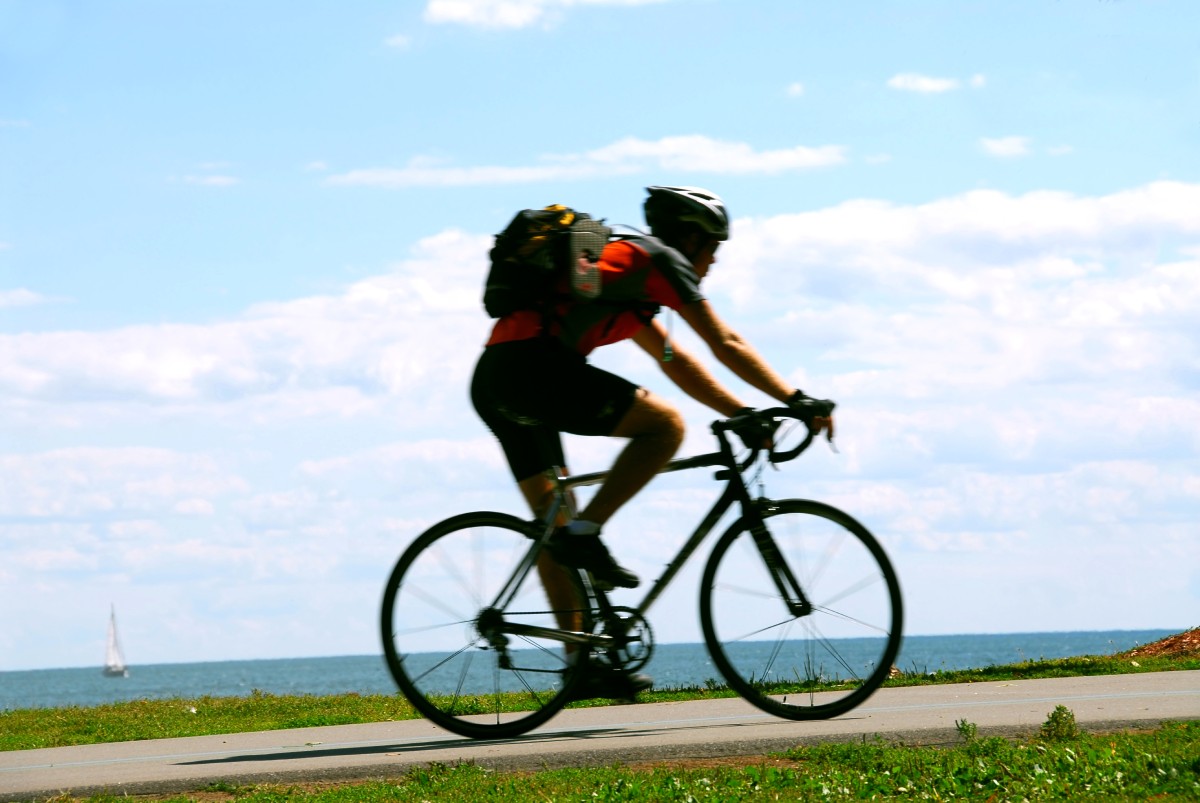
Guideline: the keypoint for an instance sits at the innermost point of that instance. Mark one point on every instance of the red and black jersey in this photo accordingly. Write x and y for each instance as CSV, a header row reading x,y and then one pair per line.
x,y
637,276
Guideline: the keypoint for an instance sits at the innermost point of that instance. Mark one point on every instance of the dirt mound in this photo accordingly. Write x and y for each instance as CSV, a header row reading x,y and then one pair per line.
x,y
1184,645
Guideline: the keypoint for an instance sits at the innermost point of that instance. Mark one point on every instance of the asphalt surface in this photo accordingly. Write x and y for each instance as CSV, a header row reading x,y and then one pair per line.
x,y
592,737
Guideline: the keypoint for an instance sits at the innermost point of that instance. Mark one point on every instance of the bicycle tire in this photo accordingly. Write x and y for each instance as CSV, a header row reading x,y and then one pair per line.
x,y
814,666
432,641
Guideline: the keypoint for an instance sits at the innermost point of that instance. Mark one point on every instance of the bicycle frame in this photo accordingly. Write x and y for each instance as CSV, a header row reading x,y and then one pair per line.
x,y
735,492
466,633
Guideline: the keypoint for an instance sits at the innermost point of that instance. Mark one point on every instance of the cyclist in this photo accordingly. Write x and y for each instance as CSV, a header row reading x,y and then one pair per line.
x,y
533,382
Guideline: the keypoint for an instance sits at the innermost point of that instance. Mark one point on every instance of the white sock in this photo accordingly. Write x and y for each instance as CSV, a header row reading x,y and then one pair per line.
x,y
583,527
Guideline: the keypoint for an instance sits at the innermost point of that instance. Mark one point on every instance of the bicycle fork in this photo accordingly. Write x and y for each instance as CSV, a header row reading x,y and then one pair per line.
x,y
793,596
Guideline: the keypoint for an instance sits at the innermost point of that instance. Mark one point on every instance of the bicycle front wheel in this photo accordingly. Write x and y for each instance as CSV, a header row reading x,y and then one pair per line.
x,y
822,662
470,667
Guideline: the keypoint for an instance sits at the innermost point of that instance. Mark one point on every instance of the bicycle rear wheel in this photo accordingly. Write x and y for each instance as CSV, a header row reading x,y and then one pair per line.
x,y
440,630
812,666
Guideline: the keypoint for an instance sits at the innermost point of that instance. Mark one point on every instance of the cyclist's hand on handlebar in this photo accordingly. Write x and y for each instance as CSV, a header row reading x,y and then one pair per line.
x,y
755,430
817,414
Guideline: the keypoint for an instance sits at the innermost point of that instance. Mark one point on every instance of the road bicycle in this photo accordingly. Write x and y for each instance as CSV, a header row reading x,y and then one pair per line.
x,y
799,605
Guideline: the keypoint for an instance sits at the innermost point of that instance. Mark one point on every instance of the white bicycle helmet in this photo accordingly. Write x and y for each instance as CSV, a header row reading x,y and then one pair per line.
x,y
668,207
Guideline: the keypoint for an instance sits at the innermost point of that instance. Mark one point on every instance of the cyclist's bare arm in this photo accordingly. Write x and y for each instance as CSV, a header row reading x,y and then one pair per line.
x,y
688,373
740,357
734,352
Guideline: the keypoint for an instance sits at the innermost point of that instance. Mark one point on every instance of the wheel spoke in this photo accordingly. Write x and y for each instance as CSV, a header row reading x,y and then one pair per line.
x,y
462,679
850,590
831,650
883,631
452,568
455,666
779,642
839,652
437,601
445,661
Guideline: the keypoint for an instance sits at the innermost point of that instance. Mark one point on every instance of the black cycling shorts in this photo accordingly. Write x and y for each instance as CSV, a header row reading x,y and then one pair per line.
x,y
530,391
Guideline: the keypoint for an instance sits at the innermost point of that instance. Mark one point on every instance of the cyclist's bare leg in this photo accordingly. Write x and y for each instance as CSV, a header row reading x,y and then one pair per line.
x,y
655,431
538,491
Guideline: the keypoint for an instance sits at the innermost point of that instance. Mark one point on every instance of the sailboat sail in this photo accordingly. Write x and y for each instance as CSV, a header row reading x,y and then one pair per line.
x,y
114,660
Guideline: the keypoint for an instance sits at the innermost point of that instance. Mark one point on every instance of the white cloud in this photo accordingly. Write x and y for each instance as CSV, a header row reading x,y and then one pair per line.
x,y
19,297
398,41
694,153
1016,375
914,82
795,89
983,264
509,14
123,482
318,353
449,460
1010,329
1005,147
194,507
485,13
420,174
704,154
211,180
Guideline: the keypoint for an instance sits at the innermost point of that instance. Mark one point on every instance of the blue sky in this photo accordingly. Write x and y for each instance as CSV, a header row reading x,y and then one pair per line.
x,y
241,248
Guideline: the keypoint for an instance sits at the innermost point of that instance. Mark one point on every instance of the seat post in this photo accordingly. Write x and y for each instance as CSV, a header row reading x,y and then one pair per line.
x,y
567,508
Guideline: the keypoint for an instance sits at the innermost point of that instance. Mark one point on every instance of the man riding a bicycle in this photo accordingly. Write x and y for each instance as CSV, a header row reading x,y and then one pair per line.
x,y
533,382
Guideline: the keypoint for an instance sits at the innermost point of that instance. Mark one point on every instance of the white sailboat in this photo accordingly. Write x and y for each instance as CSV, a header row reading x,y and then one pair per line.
x,y
114,660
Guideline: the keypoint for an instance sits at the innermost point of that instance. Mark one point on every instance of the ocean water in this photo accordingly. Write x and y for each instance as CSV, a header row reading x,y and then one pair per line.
x,y
671,665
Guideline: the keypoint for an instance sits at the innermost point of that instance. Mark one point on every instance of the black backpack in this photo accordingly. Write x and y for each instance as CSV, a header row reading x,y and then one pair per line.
x,y
535,250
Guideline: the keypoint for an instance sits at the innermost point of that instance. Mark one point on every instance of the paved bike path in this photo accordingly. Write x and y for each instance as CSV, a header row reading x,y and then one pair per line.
x,y
591,737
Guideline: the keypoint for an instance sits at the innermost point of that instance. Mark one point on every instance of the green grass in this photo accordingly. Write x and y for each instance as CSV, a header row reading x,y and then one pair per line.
x,y
1060,763
160,719
1054,668
164,719
1163,764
